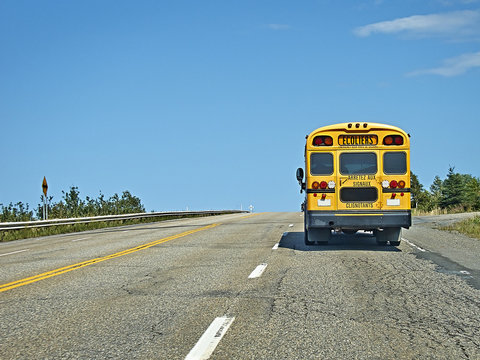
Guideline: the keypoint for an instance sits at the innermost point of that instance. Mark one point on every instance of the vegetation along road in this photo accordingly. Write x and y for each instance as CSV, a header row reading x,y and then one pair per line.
x,y
240,287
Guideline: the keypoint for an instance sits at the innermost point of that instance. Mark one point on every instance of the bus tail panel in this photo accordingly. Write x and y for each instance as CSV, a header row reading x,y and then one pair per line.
x,y
358,220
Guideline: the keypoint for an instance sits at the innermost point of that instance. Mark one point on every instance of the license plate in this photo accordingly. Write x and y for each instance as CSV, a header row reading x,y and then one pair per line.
x,y
393,202
326,202
357,140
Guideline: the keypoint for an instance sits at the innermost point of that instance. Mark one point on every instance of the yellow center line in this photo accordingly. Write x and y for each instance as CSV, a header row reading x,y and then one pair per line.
x,y
247,216
63,270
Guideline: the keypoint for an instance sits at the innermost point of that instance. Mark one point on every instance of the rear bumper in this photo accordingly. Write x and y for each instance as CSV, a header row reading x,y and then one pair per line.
x,y
365,220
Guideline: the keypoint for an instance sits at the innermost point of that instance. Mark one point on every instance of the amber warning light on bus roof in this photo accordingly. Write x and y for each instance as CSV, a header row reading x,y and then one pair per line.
x,y
322,141
393,140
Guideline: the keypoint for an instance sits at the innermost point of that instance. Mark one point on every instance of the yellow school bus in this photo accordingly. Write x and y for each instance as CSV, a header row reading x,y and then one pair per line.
x,y
357,177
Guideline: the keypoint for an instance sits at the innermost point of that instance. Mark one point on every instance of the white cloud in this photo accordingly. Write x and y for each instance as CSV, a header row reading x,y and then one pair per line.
x,y
453,66
279,26
453,23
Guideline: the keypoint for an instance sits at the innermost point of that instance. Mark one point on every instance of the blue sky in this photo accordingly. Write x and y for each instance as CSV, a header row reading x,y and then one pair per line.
x,y
206,104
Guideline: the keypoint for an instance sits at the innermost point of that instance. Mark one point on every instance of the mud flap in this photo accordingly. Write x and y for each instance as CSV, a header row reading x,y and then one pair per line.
x,y
393,235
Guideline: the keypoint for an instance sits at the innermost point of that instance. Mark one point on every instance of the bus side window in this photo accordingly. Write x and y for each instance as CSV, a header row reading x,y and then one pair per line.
x,y
395,162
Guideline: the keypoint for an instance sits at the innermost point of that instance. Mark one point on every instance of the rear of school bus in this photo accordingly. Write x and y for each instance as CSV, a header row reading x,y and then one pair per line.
x,y
357,177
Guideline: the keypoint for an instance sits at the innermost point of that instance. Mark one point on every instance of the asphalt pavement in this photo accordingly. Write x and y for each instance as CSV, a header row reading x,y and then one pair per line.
x,y
239,287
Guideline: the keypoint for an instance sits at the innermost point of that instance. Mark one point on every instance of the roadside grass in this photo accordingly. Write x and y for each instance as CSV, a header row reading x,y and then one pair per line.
x,y
469,227
9,235
436,211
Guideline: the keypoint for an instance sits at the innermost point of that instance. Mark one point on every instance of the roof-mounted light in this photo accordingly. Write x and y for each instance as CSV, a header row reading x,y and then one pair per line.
x,y
322,141
393,140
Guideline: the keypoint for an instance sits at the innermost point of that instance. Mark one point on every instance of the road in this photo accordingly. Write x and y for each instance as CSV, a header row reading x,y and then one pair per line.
x,y
239,287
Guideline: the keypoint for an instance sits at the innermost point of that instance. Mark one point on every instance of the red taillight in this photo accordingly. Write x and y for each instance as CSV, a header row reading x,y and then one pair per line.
x,y
401,184
393,184
323,185
315,185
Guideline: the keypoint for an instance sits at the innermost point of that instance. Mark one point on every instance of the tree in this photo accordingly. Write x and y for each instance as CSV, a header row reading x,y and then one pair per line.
x,y
17,212
453,191
421,198
436,191
73,203
416,189
472,193
130,204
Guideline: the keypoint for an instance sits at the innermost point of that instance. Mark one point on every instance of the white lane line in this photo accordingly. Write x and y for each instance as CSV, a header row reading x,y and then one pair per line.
x,y
413,245
275,247
291,225
464,272
210,338
258,271
14,252
85,238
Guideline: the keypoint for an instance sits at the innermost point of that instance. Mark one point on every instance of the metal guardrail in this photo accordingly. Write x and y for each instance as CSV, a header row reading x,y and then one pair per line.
x,y
18,225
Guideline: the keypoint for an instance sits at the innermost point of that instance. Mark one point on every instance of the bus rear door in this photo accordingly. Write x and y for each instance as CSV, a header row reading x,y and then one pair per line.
x,y
359,183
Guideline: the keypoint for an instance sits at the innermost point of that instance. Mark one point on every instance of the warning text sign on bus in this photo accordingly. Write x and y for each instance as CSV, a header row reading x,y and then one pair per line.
x,y
357,140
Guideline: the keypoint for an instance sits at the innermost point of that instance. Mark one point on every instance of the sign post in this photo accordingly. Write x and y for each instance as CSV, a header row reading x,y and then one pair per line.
x,y
45,208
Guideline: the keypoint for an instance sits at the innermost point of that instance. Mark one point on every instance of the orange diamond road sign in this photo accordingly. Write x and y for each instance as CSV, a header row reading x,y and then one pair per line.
x,y
45,186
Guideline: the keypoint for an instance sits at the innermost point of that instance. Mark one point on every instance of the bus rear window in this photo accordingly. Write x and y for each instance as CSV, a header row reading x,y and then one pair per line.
x,y
321,164
358,163
395,162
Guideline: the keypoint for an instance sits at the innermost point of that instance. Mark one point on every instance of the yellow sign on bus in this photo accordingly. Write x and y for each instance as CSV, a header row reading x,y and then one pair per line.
x,y
357,140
